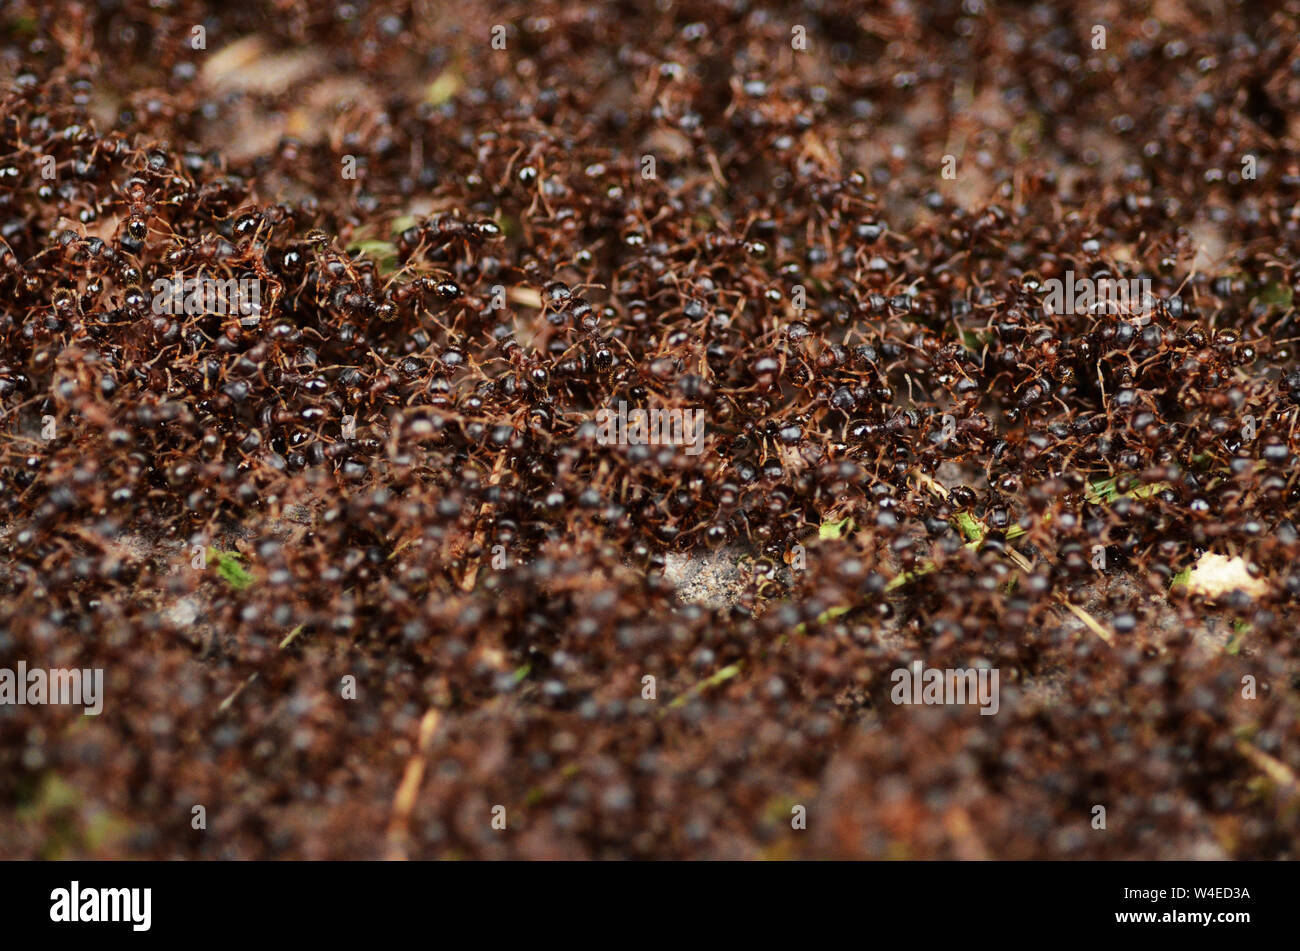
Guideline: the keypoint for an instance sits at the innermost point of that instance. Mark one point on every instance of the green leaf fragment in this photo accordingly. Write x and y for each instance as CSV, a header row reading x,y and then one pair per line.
x,y
826,616
1102,491
835,529
289,638
230,569
722,676
972,529
831,614
1240,630
443,88
1106,491
1146,491
402,222
1276,294
383,253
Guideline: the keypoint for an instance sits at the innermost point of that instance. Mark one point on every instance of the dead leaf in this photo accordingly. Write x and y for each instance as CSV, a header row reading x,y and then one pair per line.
x,y
1215,575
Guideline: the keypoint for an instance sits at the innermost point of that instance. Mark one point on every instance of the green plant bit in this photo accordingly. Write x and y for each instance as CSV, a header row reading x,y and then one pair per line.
x,y
230,569
721,676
